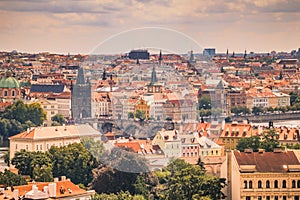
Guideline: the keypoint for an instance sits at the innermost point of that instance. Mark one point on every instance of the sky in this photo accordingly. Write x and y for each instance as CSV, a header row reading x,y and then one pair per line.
x,y
117,26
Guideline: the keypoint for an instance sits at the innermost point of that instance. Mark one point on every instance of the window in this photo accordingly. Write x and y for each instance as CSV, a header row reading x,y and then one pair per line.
x,y
267,197
37,147
5,93
47,146
248,198
41,147
284,184
275,184
259,185
250,184
26,147
217,152
298,184
283,197
259,198
293,184
16,146
245,184
267,184
13,93
275,197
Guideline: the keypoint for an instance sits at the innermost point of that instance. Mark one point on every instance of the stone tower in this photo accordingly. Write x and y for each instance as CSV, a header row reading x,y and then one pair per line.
x,y
81,97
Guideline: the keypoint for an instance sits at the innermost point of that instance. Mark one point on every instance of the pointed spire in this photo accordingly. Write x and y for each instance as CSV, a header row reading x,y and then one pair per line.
x,y
160,58
245,54
104,75
153,76
80,76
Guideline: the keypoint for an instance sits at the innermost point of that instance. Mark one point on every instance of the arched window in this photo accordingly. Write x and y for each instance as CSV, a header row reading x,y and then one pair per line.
x,y
13,93
245,184
250,184
284,184
267,184
259,185
298,184
293,184
5,93
275,184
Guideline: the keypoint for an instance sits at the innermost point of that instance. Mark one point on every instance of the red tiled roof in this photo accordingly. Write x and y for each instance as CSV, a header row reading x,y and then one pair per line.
x,y
267,161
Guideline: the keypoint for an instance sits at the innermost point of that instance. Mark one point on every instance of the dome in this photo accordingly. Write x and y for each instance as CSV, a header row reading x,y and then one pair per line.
x,y
9,82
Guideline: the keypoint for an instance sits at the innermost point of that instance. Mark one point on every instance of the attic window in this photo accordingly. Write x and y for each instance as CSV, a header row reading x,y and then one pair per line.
x,y
285,136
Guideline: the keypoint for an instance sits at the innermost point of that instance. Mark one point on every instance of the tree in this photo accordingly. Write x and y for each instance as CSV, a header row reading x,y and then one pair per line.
x,y
36,114
240,110
257,110
141,115
96,148
188,181
32,164
59,119
119,171
269,140
130,115
73,161
252,142
8,178
205,102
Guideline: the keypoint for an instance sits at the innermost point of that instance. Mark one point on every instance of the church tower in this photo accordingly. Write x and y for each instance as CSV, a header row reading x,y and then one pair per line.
x,y
160,58
81,97
153,87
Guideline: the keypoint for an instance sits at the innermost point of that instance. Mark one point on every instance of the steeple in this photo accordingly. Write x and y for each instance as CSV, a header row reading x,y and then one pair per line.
x,y
245,54
153,76
191,59
80,76
160,58
104,75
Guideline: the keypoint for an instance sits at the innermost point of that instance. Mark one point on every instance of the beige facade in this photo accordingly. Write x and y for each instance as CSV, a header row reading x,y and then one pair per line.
x,y
42,138
264,176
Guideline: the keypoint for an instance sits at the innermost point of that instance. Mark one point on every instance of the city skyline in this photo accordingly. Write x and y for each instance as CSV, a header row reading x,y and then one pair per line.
x,y
116,26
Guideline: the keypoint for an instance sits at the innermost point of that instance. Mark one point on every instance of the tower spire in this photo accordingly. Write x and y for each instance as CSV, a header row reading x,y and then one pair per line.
x,y
153,76
160,58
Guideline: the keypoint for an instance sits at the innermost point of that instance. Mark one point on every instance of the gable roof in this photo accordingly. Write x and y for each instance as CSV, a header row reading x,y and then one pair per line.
x,y
47,88
267,161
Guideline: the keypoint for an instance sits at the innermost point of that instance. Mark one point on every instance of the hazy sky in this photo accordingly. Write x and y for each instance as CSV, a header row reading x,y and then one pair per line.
x,y
79,26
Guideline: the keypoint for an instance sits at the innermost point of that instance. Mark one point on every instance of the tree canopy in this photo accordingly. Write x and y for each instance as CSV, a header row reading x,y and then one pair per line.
x,y
8,178
58,119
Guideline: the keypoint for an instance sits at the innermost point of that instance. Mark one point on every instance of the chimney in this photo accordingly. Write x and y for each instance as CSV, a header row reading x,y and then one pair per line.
x,y
55,179
52,189
46,189
63,178
16,194
28,130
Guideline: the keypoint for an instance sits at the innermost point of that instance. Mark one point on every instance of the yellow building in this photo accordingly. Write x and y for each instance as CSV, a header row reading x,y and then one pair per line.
x,y
169,142
231,134
42,138
142,106
264,175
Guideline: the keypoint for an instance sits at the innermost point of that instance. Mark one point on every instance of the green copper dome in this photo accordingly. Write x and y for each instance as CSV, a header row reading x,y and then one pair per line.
x,y
9,82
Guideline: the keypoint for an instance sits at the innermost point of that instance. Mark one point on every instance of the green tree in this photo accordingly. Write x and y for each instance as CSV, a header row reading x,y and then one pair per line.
x,y
188,181
119,171
36,114
130,115
32,163
252,142
141,115
73,161
257,110
140,186
240,110
8,178
96,148
269,140
205,102
59,119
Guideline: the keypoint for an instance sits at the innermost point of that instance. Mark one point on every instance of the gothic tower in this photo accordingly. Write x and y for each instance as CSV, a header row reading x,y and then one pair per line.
x,y
81,97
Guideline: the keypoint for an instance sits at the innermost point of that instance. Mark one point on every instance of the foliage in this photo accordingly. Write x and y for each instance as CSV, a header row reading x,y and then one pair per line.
x,y
19,116
8,178
118,172
186,181
140,114
96,148
73,161
6,158
267,141
252,142
240,110
203,112
204,102
59,119
257,110
119,196
37,165
130,115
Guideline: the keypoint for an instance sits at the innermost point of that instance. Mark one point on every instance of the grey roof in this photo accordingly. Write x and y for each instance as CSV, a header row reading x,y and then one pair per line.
x,y
47,88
